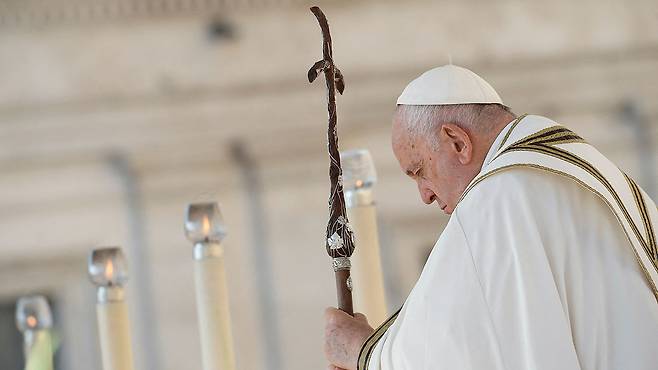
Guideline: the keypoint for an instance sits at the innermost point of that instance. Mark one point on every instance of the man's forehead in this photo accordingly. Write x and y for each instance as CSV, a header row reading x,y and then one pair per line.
x,y
401,137
410,160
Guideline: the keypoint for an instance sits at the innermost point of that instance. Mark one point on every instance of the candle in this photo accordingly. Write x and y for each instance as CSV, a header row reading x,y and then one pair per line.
x,y
108,271
359,177
34,320
205,228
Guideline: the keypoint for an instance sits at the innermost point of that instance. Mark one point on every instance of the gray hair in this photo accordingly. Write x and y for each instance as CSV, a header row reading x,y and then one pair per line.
x,y
423,120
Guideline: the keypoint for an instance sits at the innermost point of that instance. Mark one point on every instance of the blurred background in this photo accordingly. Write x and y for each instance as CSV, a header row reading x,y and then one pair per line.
x,y
115,114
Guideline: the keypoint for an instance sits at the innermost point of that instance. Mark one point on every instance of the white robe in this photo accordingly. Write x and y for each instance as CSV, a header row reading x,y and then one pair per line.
x,y
533,271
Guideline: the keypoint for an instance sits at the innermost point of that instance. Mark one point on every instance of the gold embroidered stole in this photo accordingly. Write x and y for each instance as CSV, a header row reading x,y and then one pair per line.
x,y
371,342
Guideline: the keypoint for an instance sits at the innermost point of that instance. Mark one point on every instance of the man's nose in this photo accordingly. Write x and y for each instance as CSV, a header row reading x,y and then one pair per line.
x,y
426,194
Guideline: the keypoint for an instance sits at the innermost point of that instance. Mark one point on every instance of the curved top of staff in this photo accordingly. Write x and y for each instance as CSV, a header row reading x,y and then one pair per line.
x,y
339,236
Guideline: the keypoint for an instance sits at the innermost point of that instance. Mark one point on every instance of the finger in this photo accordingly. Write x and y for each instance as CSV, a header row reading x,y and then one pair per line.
x,y
361,317
330,313
333,315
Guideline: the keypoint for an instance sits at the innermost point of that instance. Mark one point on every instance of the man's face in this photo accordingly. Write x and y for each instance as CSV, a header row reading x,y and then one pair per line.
x,y
441,173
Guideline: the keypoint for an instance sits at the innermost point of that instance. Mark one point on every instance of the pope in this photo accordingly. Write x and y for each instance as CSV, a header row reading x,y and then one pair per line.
x,y
549,259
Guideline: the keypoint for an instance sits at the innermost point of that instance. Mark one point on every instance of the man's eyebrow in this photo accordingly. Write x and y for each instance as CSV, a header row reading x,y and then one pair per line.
x,y
412,172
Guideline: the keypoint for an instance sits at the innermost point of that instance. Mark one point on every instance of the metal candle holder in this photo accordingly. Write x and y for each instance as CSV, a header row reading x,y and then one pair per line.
x,y
204,226
33,318
359,177
108,271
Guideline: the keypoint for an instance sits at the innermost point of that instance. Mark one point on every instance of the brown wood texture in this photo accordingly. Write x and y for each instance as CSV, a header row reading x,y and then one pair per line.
x,y
337,213
338,224
344,294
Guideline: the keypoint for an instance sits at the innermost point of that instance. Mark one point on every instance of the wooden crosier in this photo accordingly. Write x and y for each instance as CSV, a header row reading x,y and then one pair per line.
x,y
340,238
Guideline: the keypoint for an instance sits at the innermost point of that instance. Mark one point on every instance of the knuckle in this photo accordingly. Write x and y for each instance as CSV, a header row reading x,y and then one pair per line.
x,y
328,313
330,316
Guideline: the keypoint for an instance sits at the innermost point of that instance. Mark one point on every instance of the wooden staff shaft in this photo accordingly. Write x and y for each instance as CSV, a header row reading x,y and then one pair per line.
x,y
344,292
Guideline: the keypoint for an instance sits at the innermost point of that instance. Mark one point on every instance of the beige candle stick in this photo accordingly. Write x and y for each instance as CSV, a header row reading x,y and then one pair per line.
x,y
108,271
204,227
34,320
359,177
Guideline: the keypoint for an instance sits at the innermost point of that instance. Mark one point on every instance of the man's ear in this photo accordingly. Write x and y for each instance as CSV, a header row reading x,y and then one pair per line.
x,y
459,142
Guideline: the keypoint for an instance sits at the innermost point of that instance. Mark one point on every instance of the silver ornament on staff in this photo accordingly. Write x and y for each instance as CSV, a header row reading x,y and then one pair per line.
x,y
204,226
359,178
34,320
109,272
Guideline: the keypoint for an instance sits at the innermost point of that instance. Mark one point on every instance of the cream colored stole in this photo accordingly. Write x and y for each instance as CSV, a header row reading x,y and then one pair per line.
x,y
537,142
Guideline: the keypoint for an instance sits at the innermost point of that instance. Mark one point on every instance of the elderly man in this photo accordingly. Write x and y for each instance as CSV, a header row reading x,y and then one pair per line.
x,y
549,260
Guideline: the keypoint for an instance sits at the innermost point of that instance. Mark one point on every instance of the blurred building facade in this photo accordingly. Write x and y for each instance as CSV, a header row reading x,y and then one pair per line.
x,y
116,114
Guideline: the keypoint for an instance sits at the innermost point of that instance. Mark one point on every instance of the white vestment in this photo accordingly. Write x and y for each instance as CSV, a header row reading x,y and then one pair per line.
x,y
537,268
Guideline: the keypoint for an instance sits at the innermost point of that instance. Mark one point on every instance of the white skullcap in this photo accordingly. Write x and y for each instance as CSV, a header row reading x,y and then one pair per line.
x,y
447,85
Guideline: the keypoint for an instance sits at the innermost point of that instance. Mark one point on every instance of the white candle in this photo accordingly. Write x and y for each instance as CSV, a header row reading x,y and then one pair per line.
x,y
107,270
359,177
204,227
34,320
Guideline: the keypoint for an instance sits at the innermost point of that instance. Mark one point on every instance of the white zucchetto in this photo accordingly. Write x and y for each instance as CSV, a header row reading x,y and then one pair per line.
x,y
446,85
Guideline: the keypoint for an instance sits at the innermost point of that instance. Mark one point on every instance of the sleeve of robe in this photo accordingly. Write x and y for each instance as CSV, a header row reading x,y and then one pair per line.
x,y
486,298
